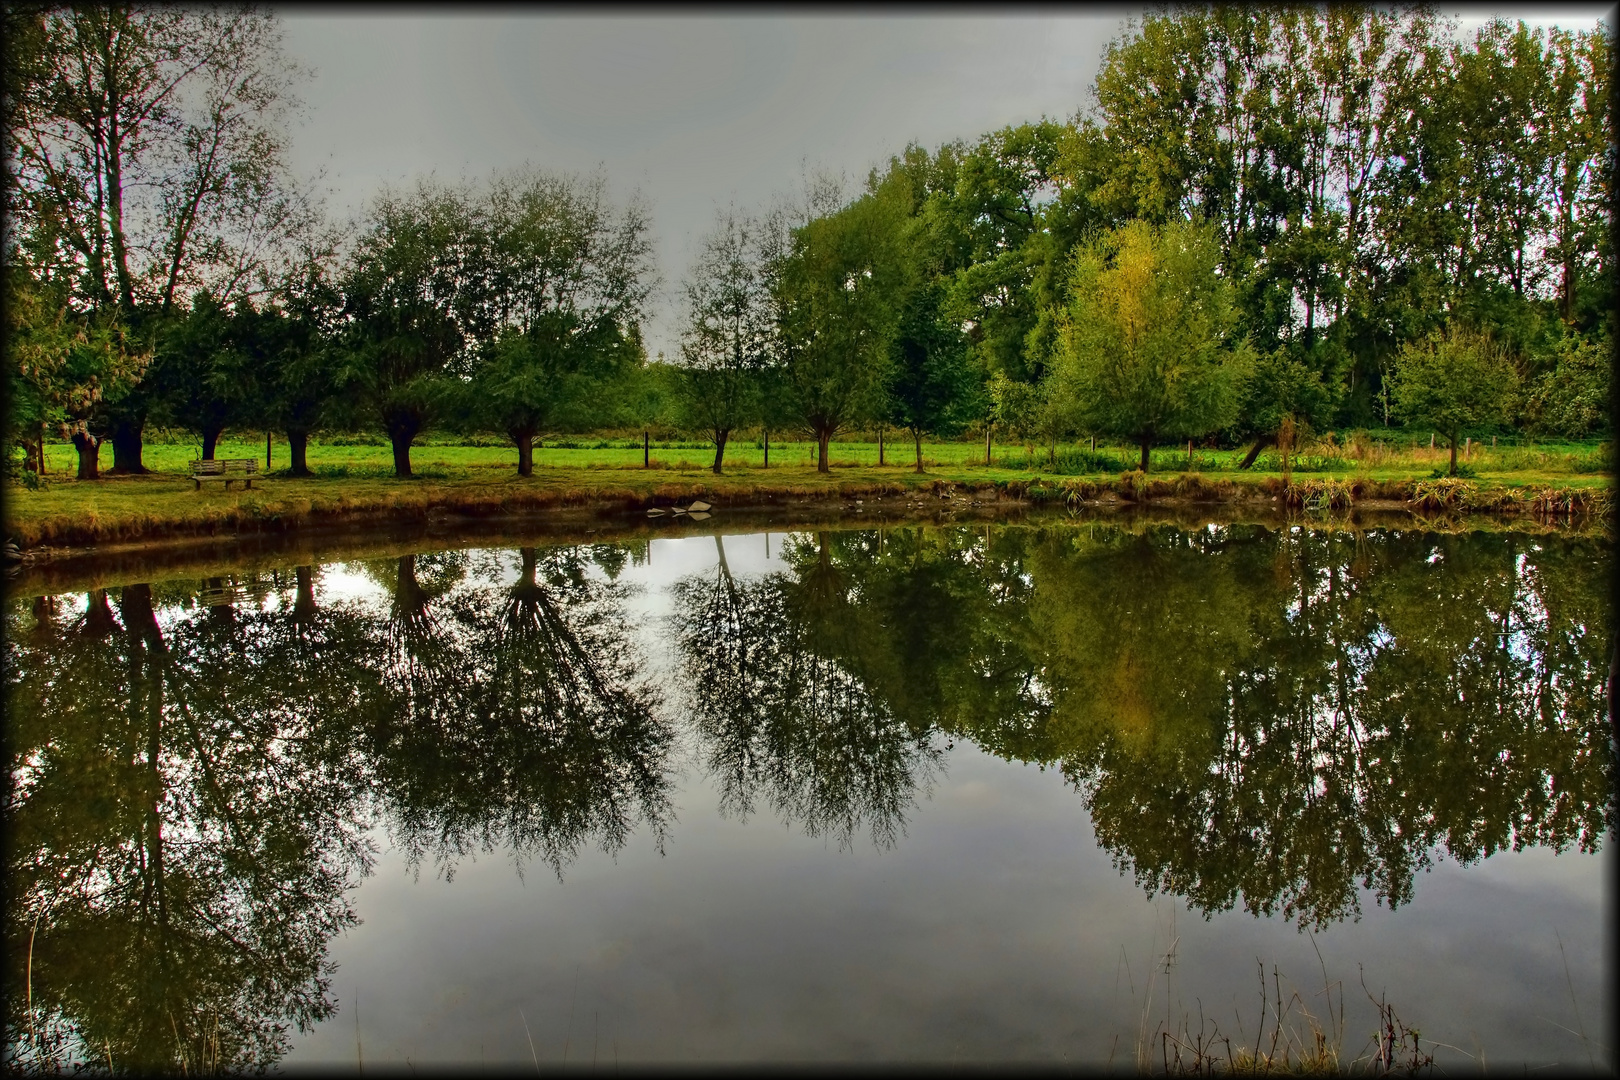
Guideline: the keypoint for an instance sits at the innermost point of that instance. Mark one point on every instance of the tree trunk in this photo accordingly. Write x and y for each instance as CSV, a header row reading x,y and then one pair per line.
x,y
1147,444
127,446
1453,470
916,436
304,603
767,433
402,456
1254,451
34,452
987,444
268,437
402,431
646,449
89,448
297,449
720,438
822,439
525,449
210,439
880,444
1567,291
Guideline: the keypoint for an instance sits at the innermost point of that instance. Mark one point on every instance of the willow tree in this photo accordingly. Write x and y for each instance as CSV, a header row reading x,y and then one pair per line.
x,y
727,340
406,311
835,290
1148,349
557,278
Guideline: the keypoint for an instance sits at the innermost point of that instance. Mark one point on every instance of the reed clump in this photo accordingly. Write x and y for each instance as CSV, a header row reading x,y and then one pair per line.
x,y
1290,1040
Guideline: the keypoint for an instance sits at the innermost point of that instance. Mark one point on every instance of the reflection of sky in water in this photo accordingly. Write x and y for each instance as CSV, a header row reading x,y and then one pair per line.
x,y
996,929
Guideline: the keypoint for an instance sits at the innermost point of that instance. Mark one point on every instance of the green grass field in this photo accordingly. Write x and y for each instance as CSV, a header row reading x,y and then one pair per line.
x,y
1379,459
356,482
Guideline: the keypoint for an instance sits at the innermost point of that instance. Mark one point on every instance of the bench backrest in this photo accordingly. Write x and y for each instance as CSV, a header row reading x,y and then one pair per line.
x,y
219,466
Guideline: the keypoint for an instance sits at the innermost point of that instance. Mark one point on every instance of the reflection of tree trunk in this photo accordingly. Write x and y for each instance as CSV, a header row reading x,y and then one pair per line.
x,y
98,617
146,685
725,569
410,599
44,617
1614,682
304,604
223,611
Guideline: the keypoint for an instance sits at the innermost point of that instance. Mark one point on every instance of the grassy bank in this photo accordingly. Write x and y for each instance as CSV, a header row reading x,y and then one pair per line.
x,y
1390,455
355,483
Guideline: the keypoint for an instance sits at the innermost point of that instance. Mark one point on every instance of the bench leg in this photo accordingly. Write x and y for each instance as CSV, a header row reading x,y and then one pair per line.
x,y
197,482
248,484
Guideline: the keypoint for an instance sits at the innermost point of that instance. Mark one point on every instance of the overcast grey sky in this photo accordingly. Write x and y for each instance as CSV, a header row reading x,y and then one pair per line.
x,y
694,111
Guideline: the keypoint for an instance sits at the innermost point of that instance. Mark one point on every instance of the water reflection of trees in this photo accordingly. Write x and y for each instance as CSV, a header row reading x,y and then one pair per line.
x,y
1280,720
181,838
785,705
518,717
192,785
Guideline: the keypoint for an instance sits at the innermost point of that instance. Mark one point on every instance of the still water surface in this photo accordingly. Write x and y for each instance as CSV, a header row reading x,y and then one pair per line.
x,y
921,793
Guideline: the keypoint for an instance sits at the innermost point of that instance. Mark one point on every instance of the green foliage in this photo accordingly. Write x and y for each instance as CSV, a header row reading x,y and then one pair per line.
x,y
1575,397
209,365
62,366
836,289
1452,380
931,386
406,313
556,276
1149,350
726,342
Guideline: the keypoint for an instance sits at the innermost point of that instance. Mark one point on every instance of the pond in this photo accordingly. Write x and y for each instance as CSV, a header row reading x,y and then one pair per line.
x,y
1061,791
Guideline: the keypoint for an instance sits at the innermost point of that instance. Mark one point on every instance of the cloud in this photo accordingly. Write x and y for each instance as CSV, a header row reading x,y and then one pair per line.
x,y
693,111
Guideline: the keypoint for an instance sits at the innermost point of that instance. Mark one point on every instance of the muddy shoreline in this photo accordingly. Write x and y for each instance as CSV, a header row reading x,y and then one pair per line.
x,y
367,534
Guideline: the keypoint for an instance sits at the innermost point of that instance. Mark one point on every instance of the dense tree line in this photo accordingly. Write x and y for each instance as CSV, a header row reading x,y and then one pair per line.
x,y
1264,219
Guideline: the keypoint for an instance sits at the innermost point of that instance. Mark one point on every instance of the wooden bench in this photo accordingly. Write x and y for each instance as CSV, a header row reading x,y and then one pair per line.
x,y
225,469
